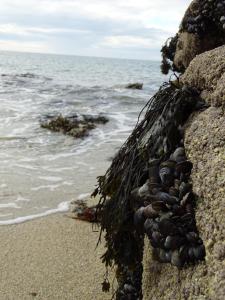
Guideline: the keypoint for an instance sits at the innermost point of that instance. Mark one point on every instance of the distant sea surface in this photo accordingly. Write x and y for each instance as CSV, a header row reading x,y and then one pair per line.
x,y
41,172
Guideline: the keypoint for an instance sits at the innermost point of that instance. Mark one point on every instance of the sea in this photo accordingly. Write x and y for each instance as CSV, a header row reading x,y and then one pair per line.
x,y
41,172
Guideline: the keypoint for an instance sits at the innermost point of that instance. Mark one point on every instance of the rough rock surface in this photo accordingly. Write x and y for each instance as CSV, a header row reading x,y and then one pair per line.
x,y
202,29
205,145
207,73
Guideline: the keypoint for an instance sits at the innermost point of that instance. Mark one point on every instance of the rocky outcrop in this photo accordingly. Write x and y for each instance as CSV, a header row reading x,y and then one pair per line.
x,y
207,73
202,29
205,146
75,126
135,86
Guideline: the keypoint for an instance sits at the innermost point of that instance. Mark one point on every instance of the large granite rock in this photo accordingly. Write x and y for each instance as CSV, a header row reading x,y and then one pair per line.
x,y
207,73
205,146
202,29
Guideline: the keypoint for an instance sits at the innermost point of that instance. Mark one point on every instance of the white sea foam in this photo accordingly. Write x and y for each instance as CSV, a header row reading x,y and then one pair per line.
x,y
62,207
51,178
9,205
50,187
83,196
20,198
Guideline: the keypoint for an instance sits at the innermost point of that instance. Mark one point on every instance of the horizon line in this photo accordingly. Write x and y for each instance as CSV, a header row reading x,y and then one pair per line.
x,y
65,54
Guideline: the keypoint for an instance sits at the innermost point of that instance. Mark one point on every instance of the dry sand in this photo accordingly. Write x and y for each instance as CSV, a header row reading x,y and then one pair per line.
x,y
50,258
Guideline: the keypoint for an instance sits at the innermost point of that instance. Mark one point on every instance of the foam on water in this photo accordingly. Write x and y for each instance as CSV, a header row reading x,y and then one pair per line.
x,y
39,168
62,207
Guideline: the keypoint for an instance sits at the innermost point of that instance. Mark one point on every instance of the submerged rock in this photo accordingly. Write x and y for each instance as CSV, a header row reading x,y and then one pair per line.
x,y
135,86
75,126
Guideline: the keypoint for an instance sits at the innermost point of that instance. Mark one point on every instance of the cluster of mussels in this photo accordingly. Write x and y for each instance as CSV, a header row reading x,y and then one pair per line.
x,y
166,211
211,15
130,284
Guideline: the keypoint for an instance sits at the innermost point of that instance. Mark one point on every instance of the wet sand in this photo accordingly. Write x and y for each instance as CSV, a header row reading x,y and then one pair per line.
x,y
51,258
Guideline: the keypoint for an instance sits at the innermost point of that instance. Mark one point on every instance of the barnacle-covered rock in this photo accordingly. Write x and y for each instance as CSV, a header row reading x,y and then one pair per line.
x,y
201,29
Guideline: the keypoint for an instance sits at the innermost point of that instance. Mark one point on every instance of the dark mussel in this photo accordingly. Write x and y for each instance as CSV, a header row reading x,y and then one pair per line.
x,y
173,192
159,206
173,242
163,256
184,167
192,237
199,252
150,226
178,155
139,217
166,172
156,239
166,227
184,188
166,198
187,199
176,259
150,212
178,210
191,254
154,171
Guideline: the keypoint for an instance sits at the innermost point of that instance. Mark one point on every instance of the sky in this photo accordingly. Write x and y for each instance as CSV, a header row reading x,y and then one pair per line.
x,y
134,29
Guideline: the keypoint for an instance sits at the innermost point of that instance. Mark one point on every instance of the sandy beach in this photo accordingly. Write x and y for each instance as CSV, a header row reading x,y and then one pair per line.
x,y
51,258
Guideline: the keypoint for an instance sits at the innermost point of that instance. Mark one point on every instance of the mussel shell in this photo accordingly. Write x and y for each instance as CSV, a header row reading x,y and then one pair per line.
x,y
191,254
150,212
177,210
165,197
170,164
192,237
189,208
156,239
150,226
163,257
199,252
177,154
184,167
128,288
187,218
159,206
187,199
183,252
168,255
185,188
139,217
173,242
177,183
176,259
166,227
173,192
144,190
166,215
166,175
154,171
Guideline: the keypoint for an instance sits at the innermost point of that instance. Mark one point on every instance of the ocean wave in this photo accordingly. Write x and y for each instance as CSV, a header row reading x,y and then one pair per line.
x,y
62,207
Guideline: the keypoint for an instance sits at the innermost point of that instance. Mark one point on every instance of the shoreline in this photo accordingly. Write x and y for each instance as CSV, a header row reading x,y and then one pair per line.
x,y
53,257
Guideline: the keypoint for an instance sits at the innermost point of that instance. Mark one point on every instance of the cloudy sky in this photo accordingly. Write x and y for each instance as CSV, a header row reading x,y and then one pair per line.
x,y
108,28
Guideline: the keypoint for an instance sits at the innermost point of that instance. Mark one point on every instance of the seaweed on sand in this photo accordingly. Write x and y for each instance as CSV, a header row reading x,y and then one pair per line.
x,y
155,136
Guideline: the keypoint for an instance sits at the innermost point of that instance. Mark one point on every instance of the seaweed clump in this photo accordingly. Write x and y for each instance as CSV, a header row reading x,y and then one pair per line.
x,y
168,53
130,192
75,126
